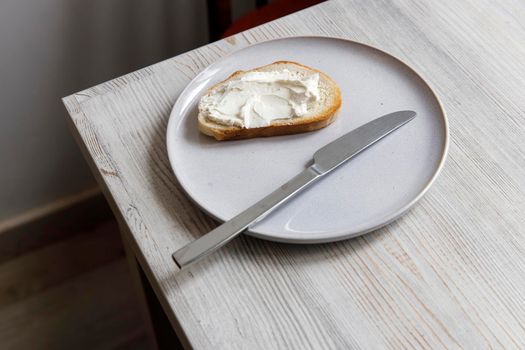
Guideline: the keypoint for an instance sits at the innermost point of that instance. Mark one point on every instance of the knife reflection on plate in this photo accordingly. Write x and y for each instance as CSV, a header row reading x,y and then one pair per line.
x,y
326,159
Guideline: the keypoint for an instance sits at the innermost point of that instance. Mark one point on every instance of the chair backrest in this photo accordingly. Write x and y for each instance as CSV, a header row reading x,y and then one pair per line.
x,y
220,16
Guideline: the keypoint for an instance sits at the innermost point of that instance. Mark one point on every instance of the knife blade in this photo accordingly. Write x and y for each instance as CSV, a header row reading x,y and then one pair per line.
x,y
326,159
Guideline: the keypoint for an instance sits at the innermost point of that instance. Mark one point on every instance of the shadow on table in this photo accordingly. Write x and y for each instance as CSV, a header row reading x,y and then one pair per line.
x,y
253,255
167,192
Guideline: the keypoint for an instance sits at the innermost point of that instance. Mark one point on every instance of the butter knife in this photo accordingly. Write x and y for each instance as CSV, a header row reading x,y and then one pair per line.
x,y
326,159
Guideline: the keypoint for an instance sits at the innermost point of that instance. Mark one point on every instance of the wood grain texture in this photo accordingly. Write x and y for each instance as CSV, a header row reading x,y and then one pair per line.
x,y
449,274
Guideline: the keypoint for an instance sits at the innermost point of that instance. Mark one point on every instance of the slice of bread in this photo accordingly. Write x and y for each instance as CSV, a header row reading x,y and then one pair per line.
x,y
319,115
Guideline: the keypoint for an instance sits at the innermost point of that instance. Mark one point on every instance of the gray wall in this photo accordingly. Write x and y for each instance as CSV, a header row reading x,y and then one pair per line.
x,y
52,48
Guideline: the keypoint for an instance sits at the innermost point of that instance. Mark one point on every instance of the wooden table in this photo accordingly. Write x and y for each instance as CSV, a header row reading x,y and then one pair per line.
x,y
449,274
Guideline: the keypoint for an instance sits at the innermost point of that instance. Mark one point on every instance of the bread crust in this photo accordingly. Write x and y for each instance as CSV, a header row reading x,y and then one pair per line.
x,y
277,127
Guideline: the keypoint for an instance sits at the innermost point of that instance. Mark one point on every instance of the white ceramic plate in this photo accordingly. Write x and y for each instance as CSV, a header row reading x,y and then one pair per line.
x,y
368,192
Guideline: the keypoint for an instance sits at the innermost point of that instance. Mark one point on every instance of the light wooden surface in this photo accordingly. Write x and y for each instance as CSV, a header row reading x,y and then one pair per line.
x,y
449,274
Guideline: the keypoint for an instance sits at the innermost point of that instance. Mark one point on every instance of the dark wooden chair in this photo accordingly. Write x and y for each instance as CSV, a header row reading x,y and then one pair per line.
x,y
220,15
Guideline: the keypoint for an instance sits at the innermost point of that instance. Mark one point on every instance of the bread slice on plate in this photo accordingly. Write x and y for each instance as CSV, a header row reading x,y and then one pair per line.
x,y
319,113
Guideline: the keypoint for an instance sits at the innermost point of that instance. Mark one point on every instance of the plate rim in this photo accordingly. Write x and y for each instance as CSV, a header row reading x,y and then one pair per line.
x,y
172,123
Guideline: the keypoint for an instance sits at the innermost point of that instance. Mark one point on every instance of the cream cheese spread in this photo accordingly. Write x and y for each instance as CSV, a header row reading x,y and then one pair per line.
x,y
255,99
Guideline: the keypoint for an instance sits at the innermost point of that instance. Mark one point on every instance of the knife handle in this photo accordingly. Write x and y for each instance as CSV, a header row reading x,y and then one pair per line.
x,y
221,235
